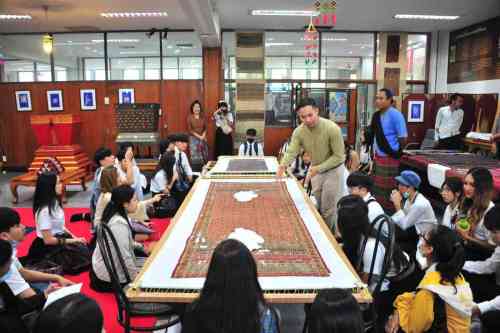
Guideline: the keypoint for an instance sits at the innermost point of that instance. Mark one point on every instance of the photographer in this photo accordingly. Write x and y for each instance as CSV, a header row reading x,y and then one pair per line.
x,y
224,122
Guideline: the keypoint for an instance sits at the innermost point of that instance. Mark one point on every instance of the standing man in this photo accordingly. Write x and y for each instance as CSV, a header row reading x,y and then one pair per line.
x,y
389,130
322,139
448,122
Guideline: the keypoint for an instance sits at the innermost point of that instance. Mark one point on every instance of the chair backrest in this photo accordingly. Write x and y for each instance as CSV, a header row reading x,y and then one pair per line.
x,y
114,263
381,236
428,142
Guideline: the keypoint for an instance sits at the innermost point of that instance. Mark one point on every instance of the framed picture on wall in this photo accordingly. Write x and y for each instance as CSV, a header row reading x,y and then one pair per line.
x,y
55,100
87,99
338,105
416,111
23,100
126,96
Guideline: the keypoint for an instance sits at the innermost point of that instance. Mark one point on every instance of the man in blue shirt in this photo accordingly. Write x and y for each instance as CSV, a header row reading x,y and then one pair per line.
x,y
389,128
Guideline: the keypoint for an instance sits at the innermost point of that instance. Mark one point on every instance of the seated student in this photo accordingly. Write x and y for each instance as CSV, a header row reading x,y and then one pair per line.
x,y
351,164
361,185
12,230
165,146
443,300
365,153
75,313
335,311
484,277
183,168
134,177
452,193
416,216
51,231
16,300
478,191
300,167
231,299
165,175
251,147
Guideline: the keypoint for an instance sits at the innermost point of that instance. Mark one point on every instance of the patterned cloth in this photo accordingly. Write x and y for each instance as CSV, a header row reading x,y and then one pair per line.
x,y
385,168
198,150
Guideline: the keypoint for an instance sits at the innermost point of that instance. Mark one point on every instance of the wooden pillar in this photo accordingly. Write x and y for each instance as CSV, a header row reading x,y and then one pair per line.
x,y
213,88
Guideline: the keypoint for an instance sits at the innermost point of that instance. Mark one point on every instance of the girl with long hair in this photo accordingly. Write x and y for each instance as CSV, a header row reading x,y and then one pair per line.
x,y
231,299
478,191
51,231
224,122
443,300
365,152
452,192
197,128
165,175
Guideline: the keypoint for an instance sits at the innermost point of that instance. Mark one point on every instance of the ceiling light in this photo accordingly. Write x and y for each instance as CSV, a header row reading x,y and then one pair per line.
x,y
278,44
47,43
15,17
335,39
425,17
133,14
116,41
272,12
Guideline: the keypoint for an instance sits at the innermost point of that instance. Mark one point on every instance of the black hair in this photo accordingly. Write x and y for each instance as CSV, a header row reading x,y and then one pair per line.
x,y
335,311
167,163
455,96
360,179
388,93
126,145
8,218
306,102
448,252
231,296
119,196
101,154
483,191
193,104
492,219
178,137
222,104
5,252
456,185
354,224
45,193
252,132
164,143
368,138
75,313
121,154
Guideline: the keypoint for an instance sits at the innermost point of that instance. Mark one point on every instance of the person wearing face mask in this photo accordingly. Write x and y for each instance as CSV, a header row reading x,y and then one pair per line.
x,y
443,299
484,277
415,216
251,147
18,302
12,230
224,122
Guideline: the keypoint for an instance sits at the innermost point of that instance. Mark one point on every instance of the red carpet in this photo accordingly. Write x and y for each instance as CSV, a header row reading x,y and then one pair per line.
x,y
82,229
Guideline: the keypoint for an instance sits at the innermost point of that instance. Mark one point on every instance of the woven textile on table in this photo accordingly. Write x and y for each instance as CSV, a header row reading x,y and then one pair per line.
x,y
247,165
288,249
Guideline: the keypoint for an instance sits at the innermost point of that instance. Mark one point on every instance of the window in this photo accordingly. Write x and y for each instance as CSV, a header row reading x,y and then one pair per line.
x,y
278,68
94,69
416,53
347,56
182,52
72,53
18,71
228,54
43,72
278,104
152,69
191,68
170,68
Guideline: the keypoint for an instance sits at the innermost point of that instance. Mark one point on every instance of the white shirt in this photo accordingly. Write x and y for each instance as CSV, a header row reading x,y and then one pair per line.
x,y
138,178
298,168
448,123
251,148
159,182
481,232
449,214
419,214
364,156
184,162
15,281
374,210
219,119
45,221
488,266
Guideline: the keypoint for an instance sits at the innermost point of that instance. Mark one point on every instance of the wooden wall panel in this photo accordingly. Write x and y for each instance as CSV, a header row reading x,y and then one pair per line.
x,y
213,88
274,139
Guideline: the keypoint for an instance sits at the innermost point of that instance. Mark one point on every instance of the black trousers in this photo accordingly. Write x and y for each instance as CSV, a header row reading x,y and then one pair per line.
x,y
453,142
498,150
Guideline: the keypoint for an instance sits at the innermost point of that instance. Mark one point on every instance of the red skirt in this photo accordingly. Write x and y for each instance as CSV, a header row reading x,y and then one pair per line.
x,y
385,169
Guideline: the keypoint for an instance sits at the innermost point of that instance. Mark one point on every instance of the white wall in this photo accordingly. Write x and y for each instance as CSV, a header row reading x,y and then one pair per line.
x,y
438,73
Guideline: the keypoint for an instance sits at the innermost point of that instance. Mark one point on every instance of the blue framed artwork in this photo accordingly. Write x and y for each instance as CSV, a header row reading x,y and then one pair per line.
x,y
126,96
338,105
87,99
416,111
55,100
23,100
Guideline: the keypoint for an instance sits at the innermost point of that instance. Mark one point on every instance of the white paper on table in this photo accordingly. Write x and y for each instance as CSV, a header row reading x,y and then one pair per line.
x,y
479,136
245,196
61,293
436,174
251,239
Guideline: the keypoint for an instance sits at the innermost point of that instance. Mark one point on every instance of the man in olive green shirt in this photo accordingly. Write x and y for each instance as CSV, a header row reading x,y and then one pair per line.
x,y
323,140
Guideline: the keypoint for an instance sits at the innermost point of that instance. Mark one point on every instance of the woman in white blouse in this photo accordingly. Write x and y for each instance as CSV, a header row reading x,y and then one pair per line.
x,y
51,231
478,191
452,192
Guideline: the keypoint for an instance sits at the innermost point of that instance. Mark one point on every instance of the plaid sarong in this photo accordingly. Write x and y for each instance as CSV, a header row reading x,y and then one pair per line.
x,y
385,168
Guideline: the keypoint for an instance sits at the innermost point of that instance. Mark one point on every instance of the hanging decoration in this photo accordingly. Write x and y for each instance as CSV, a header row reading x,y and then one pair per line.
x,y
327,13
311,38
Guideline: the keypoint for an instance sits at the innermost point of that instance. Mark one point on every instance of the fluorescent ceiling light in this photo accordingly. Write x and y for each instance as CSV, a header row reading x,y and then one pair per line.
x,y
14,17
272,12
138,52
425,17
116,41
278,44
133,14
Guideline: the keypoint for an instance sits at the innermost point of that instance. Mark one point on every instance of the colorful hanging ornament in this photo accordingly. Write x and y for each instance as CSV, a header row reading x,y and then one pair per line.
x,y
311,38
327,13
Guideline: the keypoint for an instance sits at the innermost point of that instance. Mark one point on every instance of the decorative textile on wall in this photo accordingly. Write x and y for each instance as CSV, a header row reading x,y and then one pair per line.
x,y
250,85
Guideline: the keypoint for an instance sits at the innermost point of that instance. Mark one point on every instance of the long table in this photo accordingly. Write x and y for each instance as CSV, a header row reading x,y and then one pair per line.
x,y
299,254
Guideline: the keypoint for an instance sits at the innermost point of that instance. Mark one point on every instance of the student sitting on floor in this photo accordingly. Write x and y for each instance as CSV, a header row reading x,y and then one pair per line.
x,y
452,192
300,167
12,230
361,185
51,231
231,299
165,146
251,147
163,183
366,153
137,180
351,164
334,311
75,313
478,191
183,168
416,216
443,300
16,300
484,277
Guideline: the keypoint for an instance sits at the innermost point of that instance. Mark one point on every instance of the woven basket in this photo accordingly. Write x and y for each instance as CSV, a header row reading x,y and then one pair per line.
x,y
136,118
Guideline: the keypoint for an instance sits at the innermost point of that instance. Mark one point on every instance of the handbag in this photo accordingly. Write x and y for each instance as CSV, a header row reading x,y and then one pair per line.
x,y
74,258
167,207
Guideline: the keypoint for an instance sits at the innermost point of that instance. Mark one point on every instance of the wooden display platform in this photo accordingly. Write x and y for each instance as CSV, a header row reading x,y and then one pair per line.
x,y
474,144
